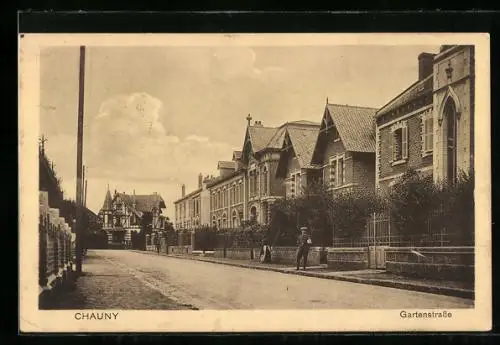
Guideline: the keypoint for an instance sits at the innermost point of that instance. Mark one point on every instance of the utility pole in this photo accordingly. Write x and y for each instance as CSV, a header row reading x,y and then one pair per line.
x,y
79,165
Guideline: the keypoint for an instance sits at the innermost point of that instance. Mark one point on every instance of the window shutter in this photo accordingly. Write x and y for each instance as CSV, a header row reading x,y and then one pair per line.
x,y
333,173
392,147
430,136
343,170
404,142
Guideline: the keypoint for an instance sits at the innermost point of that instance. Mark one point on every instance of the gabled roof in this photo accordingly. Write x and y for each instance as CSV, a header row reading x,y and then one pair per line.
x,y
302,139
356,126
260,137
143,203
226,165
413,92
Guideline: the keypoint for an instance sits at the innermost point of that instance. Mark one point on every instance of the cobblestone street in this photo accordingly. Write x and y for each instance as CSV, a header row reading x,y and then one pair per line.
x,y
133,280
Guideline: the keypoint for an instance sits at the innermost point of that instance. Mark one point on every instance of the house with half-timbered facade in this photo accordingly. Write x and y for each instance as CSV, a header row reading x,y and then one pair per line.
x,y
122,214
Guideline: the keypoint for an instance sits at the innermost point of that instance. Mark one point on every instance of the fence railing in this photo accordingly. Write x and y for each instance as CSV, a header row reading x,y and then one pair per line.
x,y
381,231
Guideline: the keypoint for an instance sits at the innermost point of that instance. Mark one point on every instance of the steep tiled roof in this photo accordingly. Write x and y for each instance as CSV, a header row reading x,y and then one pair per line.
x,y
272,137
107,201
356,126
143,203
303,141
415,90
260,136
226,165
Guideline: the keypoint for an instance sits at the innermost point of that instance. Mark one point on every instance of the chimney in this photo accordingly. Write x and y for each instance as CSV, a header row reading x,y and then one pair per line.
x,y
200,180
183,190
425,65
257,124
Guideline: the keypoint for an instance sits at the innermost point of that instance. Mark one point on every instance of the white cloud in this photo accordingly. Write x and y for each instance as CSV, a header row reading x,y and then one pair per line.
x,y
197,138
128,143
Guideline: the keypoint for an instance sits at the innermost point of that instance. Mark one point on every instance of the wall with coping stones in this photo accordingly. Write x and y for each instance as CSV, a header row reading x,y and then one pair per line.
x,y
180,250
347,258
444,263
288,255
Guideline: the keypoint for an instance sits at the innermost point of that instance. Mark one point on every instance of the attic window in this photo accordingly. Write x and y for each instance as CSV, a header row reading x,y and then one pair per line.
x,y
336,136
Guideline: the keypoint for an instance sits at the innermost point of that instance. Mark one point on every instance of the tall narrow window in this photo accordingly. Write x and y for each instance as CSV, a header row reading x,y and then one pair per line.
x,y
340,172
399,142
264,177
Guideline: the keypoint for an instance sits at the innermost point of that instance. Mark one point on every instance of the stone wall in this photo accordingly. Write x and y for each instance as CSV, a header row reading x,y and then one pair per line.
x,y
288,255
447,263
239,253
347,258
218,253
179,250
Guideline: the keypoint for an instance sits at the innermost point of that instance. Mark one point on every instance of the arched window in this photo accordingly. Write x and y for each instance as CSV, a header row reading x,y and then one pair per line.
x,y
236,222
253,213
224,220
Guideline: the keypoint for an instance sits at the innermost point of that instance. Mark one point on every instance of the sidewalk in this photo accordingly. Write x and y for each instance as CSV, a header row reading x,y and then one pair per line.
x,y
103,285
369,276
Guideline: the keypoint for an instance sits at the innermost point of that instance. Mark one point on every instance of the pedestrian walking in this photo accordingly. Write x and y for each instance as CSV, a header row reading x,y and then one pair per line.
x,y
303,244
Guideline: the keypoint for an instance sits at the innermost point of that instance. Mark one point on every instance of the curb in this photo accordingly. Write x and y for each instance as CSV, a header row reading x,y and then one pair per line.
x,y
438,290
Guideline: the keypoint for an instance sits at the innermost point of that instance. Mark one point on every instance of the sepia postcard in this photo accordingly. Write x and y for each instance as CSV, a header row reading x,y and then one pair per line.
x,y
254,182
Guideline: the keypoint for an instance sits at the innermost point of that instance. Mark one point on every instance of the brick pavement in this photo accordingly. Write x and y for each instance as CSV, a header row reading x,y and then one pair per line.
x,y
104,285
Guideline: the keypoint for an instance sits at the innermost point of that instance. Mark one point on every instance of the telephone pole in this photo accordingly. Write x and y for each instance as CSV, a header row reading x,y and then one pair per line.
x,y
79,165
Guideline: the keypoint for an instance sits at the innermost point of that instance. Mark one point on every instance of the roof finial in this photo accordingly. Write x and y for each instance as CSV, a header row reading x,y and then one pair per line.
x,y
249,118
326,99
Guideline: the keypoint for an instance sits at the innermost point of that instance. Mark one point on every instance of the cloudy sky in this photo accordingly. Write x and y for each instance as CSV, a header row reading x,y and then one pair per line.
x,y
155,117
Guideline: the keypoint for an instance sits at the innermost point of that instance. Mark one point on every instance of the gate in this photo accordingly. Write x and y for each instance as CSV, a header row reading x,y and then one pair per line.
x,y
376,257
379,239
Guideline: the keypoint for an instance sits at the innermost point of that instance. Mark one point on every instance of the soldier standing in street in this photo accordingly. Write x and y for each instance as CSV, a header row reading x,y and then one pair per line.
x,y
303,243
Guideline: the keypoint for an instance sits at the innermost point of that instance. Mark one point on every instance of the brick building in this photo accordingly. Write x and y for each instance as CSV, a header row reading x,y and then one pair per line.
x,y
193,210
429,126
122,214
344,151
227,201
295,160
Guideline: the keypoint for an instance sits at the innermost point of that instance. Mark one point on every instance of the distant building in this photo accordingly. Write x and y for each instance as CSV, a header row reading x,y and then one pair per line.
x,y
429,126
227,198
193,210
122,214
345,147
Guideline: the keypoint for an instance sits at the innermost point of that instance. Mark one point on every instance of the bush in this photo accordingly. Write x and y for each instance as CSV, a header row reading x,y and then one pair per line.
x,y
411,202
350,211
455,209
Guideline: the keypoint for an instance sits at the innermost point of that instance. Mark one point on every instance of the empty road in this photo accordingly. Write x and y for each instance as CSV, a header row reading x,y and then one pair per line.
x,y
204,285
